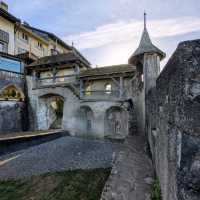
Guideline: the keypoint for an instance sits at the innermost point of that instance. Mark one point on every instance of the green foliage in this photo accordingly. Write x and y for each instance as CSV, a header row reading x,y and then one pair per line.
x,y
59,110
156,191
66,185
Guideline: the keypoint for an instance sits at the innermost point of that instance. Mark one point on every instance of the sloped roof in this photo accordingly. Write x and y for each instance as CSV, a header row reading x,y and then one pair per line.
x,y
146,46
115,69
57,59
46,35
8,16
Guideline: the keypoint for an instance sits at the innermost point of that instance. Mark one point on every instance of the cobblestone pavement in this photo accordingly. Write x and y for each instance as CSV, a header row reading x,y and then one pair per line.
x,y
132,174
61,154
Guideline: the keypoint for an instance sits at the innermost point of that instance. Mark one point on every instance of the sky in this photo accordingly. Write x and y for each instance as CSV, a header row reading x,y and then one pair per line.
x,y
107,32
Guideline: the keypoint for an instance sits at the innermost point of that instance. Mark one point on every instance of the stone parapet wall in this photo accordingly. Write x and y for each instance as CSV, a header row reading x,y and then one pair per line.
x,y
173,124
12,116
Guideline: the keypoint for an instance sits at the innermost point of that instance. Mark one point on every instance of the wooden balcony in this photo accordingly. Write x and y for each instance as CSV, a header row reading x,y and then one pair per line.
x,y
55,81
101,95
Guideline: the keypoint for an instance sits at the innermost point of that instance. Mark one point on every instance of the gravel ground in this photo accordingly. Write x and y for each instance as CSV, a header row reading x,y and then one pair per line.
x,y
61,154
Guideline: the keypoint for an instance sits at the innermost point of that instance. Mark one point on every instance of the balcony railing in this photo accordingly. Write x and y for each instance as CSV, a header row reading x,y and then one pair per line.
x,y
11,76
56,80
101,95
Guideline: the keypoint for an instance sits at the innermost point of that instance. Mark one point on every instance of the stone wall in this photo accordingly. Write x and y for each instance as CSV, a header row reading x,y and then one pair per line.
x,y
12,116
173,124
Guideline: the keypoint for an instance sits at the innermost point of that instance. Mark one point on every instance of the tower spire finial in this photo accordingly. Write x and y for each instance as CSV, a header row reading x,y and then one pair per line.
x,y
145,20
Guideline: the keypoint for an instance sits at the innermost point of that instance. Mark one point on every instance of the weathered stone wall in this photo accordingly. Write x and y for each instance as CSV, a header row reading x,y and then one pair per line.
x,y
39,111
100,120
76,119
13,115
173,124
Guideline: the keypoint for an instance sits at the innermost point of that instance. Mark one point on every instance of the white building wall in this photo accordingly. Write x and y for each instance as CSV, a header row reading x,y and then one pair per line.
x,y
8,27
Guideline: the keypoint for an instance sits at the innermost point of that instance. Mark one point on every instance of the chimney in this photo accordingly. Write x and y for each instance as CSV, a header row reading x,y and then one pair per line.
x,y
4,6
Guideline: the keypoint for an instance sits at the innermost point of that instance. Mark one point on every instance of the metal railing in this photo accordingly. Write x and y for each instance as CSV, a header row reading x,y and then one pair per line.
x,y
10,75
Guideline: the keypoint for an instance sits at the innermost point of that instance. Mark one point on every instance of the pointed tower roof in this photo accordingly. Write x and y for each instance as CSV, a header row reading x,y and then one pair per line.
x,y
146,46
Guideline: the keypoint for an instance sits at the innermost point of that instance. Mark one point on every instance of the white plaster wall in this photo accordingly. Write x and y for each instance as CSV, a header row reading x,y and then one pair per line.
x,y
31,46
9,28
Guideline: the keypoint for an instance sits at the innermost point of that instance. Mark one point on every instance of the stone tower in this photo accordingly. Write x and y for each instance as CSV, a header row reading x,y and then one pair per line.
x,y
147,59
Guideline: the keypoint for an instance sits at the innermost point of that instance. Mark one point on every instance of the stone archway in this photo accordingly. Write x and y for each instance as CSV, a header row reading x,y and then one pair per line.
x,y
86,119
53,106
12,92
116,122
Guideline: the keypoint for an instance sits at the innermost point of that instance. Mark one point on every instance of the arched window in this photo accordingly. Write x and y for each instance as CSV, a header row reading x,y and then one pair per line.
x,y
11,92
108,88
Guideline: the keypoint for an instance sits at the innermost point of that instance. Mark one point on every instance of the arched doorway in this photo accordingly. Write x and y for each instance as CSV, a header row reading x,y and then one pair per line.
x,y
86,118
54,110
116,122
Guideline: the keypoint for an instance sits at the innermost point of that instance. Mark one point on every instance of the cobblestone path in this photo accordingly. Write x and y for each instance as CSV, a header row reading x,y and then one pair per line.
x,y
132,175
60,154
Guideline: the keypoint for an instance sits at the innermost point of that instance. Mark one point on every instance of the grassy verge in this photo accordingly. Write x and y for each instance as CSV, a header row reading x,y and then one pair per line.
x,y
68,185
156,191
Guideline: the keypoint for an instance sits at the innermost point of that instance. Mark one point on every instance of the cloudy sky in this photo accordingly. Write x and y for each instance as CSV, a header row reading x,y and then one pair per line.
x,y
108,31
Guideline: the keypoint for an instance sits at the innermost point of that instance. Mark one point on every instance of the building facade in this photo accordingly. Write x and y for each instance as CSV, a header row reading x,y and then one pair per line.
x,y
26,42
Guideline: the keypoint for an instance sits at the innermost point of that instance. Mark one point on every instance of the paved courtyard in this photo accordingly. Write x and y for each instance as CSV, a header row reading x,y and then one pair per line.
x,y
61,154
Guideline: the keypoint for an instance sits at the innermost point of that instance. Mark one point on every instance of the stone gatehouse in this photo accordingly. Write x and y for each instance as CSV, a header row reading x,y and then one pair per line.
x,y
63,91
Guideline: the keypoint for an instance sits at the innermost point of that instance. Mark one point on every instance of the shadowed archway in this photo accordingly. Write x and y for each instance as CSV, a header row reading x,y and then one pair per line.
x,y
54,106
116,122
86,119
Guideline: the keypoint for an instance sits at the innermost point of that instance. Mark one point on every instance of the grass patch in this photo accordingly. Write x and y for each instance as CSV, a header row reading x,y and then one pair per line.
x,y
156,191
67,185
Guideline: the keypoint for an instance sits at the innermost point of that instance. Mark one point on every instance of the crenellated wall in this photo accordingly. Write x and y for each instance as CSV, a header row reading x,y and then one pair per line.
x,y
173,124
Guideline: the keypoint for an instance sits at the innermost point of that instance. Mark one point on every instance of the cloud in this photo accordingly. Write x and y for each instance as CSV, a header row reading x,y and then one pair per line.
x,y
130,31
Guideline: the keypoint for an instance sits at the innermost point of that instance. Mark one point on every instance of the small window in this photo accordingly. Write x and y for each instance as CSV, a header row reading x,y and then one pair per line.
x,y
3,47
108,88
39,45
88,90
25,37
